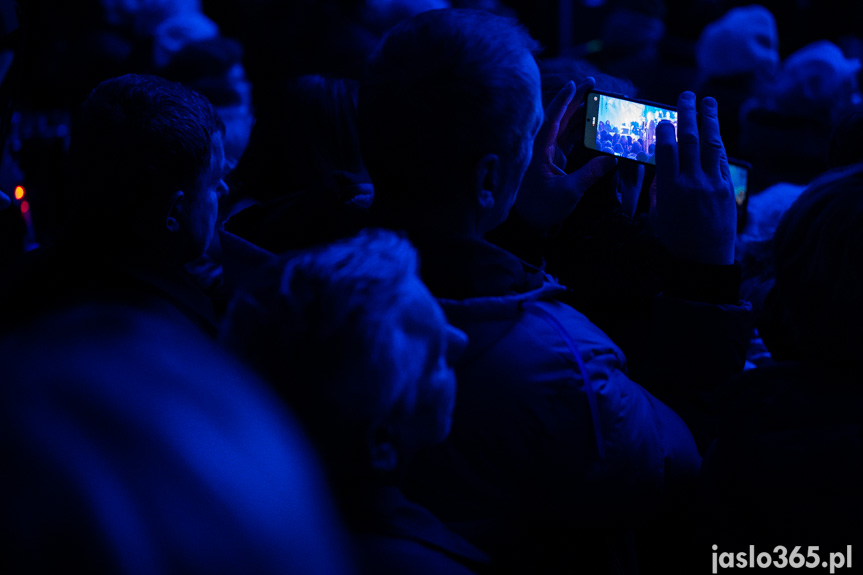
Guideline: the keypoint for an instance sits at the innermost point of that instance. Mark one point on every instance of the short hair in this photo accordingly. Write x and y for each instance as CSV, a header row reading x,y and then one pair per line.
x,y
338,331
818,254
443,89
136,140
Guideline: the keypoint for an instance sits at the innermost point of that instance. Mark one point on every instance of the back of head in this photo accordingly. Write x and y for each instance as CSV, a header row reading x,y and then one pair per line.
x,y
443,89
308,142
137,446
348,335
778,129
744,41
136,141
818,253
818,76
631,31
213,67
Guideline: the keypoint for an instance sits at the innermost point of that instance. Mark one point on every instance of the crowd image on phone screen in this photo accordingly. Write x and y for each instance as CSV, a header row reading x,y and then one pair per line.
x,y
628,129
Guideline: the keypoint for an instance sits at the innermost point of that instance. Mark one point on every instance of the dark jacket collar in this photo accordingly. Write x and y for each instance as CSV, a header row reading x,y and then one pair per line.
x,y
77,276
461,268
175,287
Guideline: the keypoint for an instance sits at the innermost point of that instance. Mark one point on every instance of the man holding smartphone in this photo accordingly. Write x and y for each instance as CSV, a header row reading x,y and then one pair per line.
x,y
553,448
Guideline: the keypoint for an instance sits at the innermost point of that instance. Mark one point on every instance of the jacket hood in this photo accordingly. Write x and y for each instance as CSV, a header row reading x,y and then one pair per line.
x,y
482,288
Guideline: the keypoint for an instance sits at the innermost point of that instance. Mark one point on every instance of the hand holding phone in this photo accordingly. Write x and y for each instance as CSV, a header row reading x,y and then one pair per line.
x,y
695,212
548,194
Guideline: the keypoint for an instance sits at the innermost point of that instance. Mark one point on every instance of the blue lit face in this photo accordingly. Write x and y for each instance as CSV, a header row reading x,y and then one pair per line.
x,y
444,343
515,168
534,125
204,205
442,380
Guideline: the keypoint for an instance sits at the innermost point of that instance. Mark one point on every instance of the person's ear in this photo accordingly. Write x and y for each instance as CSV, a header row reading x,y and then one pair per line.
x,y
382,449
488,180
175,208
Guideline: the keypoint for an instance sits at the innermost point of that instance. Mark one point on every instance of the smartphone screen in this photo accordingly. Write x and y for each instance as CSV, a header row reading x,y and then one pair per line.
x,y
623,127
739,179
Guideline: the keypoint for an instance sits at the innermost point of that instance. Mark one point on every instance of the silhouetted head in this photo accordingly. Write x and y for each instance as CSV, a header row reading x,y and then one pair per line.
x,y
744,41
818,251
449,109
309,142
139,446
214,68
148,159
356,344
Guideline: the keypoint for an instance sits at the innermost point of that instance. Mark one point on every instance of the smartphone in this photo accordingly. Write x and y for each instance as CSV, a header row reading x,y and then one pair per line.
x,y
621,126
740,179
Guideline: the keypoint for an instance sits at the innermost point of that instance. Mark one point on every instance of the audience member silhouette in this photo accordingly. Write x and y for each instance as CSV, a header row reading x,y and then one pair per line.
x,y
571,284
304,169
132,444
787,464
214,68
736,55
549,433
353,341
780,134
147,161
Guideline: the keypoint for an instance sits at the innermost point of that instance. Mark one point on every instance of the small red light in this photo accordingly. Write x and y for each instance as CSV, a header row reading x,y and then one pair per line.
x,y
25,207
19,192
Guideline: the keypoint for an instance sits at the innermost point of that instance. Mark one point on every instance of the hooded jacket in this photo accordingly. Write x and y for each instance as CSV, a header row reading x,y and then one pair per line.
x,y
549,432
